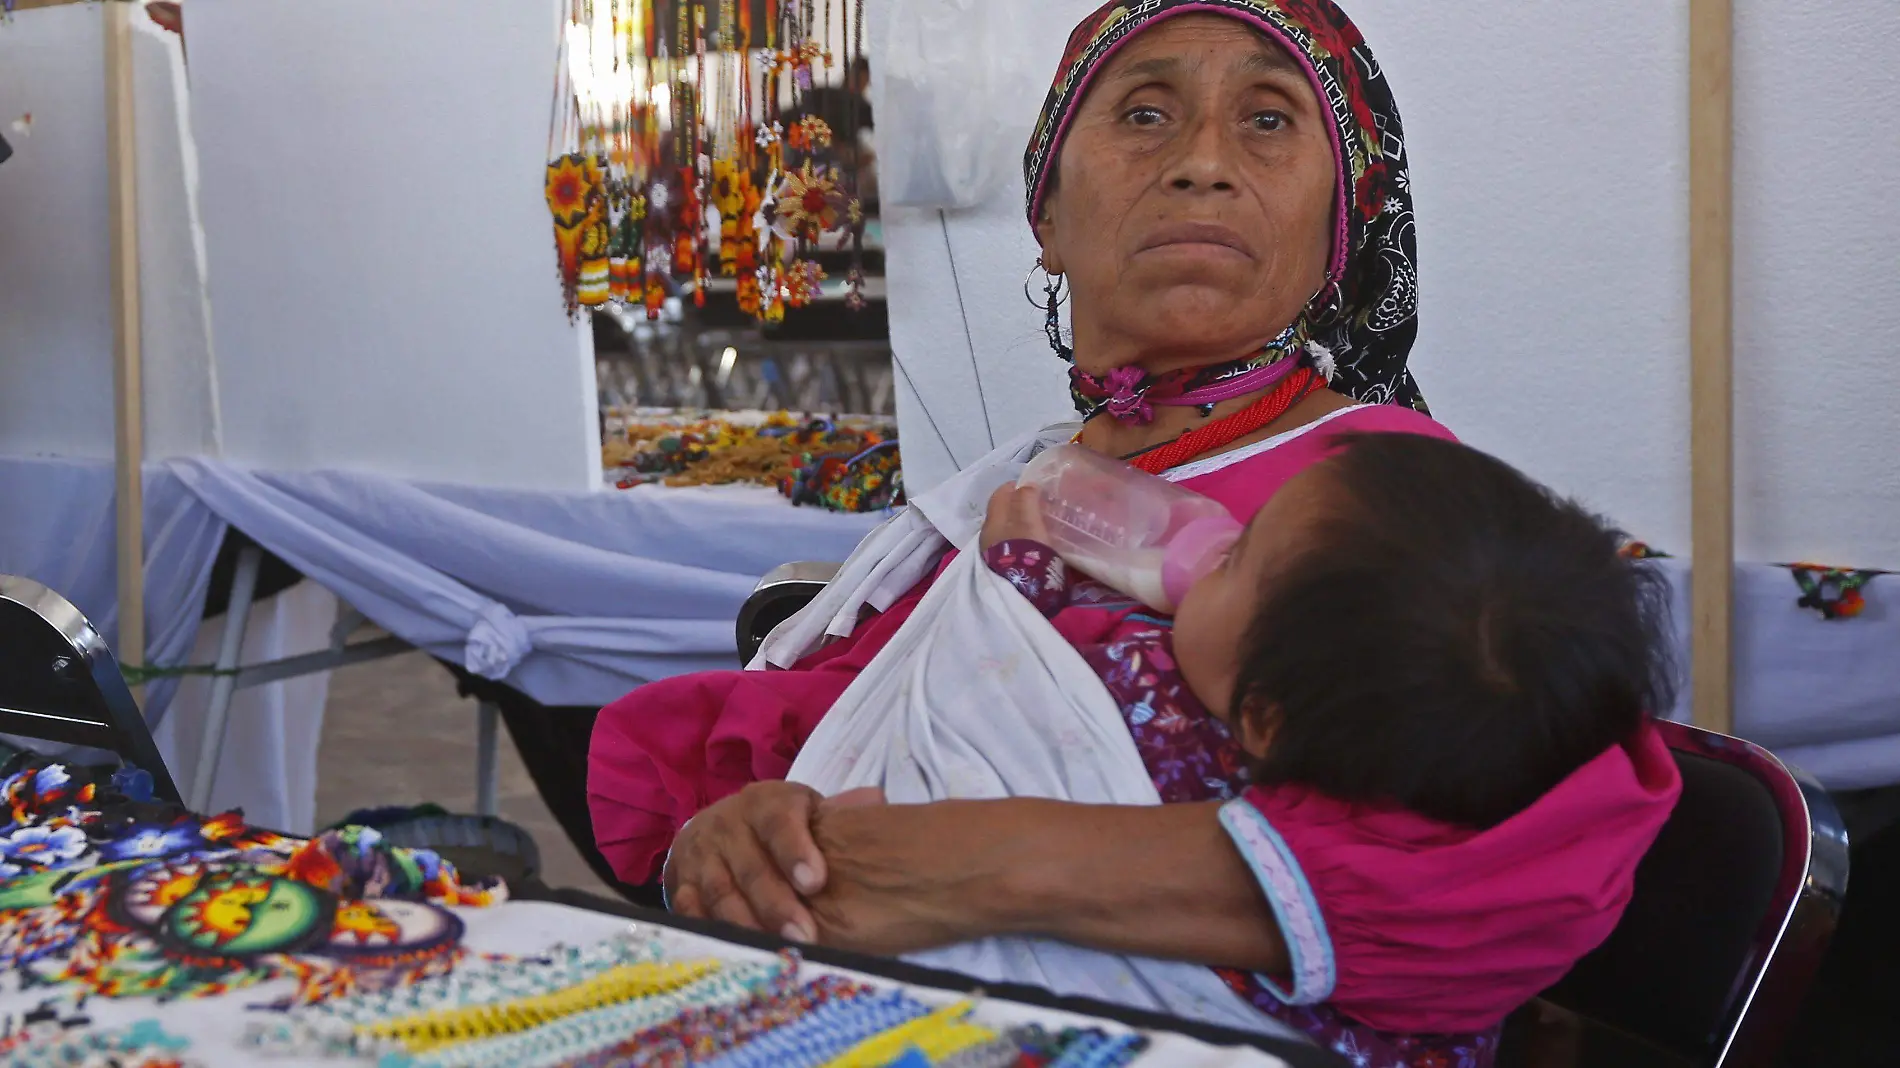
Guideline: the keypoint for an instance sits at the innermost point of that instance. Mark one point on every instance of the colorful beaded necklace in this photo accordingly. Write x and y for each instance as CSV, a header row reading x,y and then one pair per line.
x,y
1129,394
1225,431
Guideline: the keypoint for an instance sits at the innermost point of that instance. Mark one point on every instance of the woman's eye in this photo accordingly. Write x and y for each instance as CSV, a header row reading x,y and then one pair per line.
x,y
1145,116
1268,121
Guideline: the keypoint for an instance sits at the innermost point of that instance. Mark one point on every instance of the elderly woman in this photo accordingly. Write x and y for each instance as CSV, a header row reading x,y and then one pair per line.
x,y
1219,188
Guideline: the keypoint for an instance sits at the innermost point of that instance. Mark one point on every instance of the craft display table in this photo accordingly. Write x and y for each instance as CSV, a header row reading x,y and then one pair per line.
x,y
140,932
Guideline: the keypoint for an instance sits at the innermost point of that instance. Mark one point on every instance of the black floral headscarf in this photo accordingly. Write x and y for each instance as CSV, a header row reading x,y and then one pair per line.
x,y
1366,318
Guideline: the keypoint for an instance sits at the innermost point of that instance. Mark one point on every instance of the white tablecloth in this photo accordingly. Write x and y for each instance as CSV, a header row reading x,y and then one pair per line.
x,y
215,1026
573,598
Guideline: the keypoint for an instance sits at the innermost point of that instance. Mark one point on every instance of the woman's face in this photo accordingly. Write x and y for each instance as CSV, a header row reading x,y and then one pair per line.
x,y
1194,200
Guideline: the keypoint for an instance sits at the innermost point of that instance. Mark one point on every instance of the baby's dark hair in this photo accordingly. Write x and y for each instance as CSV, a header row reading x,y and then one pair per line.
x,y
1457,641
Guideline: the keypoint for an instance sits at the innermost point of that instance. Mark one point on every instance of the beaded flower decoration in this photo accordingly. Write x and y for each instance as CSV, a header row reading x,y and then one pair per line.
x,y
661,123
1836,593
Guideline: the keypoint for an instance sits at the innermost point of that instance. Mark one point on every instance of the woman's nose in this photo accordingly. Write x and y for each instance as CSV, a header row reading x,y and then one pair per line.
x,y
1204,160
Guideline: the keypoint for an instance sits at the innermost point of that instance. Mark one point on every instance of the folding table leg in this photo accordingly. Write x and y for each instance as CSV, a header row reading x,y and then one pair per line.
x,y
237,616
487,774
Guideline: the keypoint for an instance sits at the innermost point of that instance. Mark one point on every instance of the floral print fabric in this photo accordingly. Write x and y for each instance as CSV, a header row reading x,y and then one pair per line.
x,y
1188,753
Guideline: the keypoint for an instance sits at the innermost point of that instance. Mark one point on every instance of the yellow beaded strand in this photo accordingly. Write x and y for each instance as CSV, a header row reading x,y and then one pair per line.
x,y
938,1035
441,1027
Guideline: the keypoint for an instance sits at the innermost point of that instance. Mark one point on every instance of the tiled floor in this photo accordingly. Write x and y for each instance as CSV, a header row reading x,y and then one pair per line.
x,y
396,732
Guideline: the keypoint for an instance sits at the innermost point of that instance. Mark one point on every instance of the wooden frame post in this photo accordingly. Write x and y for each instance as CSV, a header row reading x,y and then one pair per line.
x,y
127,378
1711,343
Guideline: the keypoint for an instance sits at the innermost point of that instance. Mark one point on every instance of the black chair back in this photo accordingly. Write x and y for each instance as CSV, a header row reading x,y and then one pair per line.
x,y
1733,908
776,599
60,683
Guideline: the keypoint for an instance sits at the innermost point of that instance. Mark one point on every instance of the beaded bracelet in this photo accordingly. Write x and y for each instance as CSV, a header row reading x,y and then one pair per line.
x,y
826,1033
996,1053
576,1035
441,1027
331,1028
328,1027
1096,1049
938,1034
951,1039
497,979
703,1033
579,1034
143,1044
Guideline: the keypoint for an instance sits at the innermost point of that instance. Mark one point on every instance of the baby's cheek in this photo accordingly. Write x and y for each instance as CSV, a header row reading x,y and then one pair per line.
x,y
1205,663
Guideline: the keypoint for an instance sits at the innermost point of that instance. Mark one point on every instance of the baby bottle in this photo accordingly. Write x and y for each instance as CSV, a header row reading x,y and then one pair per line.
x,y
1139,533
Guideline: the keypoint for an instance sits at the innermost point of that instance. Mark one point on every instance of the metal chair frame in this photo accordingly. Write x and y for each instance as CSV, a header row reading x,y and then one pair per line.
x,y
95,706
1766,993
781,592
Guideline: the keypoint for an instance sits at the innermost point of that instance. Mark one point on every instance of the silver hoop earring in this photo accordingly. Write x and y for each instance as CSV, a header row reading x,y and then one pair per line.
x,y
1055,289
1326,306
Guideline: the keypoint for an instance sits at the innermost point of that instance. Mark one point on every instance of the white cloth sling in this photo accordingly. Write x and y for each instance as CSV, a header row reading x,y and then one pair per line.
x,y
978,696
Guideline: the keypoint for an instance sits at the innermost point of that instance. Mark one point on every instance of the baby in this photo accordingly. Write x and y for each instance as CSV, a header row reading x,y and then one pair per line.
x,y
1409,623
1419,683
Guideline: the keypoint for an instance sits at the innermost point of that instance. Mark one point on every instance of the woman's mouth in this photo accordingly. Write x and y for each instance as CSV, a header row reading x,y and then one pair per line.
x,y
1197,238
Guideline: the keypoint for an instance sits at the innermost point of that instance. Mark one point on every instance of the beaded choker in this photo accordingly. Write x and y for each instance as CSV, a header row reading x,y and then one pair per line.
x,y
1129,394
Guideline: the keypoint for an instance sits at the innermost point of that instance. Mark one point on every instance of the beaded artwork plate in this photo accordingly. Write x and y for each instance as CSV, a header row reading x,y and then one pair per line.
x,y
136,934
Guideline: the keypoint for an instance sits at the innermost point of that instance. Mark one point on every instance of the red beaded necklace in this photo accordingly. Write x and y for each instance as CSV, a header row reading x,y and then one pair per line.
x,y
1229,429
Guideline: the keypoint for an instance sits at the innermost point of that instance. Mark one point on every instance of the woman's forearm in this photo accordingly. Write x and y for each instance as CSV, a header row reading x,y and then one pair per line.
x,y
1162,881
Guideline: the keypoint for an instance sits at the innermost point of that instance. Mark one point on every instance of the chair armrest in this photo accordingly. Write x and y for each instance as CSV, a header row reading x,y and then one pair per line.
x,y
776,598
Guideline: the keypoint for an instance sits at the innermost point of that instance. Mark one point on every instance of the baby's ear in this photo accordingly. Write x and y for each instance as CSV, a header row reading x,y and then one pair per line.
x,y
1255,730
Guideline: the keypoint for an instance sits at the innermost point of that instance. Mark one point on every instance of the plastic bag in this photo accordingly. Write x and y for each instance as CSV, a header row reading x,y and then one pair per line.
x,y
955,94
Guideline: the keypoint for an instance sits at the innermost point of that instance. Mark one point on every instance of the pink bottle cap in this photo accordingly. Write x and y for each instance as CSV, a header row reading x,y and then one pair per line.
x,y
1194,552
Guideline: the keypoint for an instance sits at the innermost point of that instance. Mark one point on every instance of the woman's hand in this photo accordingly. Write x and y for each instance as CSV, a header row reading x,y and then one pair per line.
x,y
749,859
745,860
904,878
1156,881
1015,512
852,872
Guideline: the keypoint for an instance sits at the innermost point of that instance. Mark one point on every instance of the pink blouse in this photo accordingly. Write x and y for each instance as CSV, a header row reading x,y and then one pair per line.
x,y
1380,906
673,747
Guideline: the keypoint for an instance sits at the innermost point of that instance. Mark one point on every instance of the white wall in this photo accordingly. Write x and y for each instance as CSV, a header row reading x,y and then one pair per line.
x,y
55,326
382,262
1549,163
55,282
1002,367
1818,281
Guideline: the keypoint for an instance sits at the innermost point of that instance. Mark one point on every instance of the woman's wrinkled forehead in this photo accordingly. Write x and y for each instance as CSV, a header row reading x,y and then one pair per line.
x,y
1147,56
1101,37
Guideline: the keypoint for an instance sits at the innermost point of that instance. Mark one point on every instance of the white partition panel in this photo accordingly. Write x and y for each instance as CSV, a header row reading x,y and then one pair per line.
x,y
1548,143
55,288
382,265
55,315
1817,272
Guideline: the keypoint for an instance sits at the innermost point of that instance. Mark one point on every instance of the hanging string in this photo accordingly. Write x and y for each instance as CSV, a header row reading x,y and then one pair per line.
x,y
929,418
976,370
564,99
700,246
